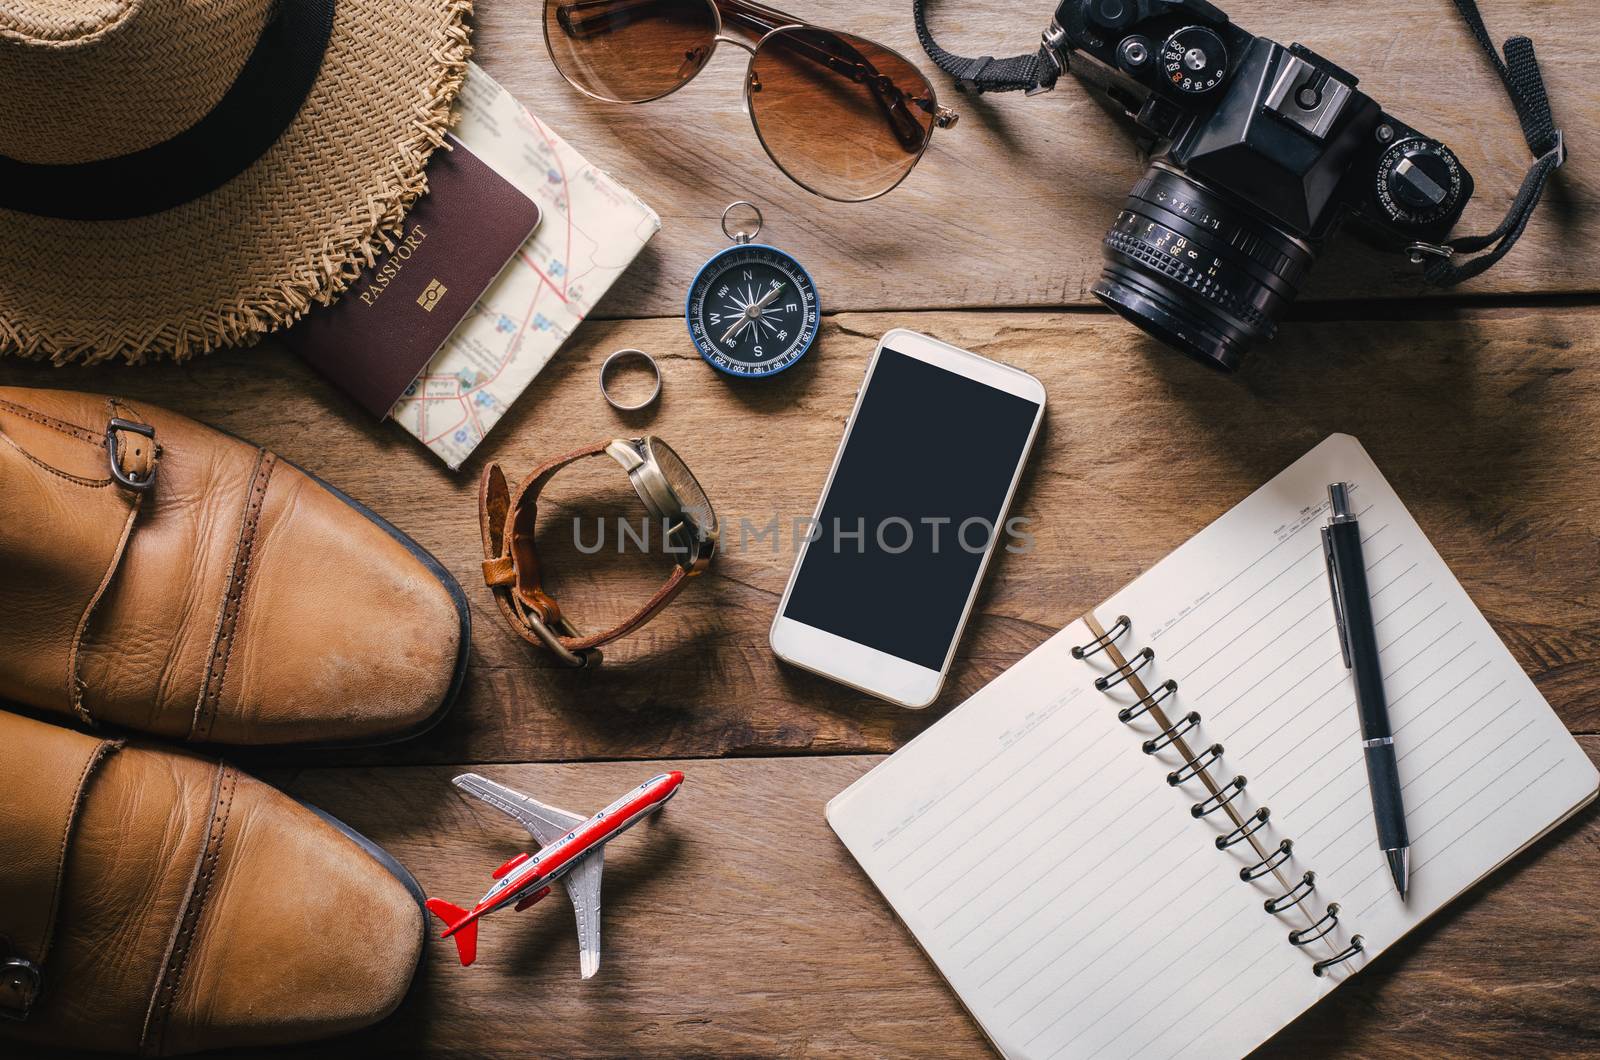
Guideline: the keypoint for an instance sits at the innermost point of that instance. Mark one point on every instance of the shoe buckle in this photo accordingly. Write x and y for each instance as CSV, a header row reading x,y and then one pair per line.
x,y
20,980
136,482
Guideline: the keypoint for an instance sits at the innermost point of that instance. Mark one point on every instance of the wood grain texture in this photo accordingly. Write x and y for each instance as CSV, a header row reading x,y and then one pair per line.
x,y
736,924
1487,422
1009,207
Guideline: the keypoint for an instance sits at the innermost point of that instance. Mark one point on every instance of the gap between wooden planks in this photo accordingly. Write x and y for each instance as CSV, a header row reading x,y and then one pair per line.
x,y
1486,421
736,924
1009,207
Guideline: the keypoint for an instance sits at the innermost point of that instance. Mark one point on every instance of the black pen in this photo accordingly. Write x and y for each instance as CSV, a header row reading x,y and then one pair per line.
x,y
1352,614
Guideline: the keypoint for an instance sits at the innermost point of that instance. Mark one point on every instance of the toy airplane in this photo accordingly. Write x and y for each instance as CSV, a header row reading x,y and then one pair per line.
x,y
571,850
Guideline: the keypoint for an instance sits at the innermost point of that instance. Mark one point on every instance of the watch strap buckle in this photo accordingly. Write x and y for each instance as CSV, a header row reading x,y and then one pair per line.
x,y
550,635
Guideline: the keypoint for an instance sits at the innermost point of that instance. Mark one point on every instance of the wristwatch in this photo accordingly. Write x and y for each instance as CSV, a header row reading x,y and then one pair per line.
x,y
511,567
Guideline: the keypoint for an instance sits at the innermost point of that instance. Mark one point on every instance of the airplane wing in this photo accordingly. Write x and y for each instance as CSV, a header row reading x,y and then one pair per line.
x,y
547,823
583,887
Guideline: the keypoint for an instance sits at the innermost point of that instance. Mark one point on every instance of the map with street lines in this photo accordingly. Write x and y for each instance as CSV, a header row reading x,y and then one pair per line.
x,y
591,229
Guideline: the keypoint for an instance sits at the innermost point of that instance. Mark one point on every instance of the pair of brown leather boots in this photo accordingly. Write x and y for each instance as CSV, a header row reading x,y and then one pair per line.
x,y
160,577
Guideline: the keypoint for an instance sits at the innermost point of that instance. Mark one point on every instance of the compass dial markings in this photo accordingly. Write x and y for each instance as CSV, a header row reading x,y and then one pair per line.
x,y
752,311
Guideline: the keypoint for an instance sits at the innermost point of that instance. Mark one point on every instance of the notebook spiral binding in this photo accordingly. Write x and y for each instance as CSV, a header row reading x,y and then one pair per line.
x,y
1221,794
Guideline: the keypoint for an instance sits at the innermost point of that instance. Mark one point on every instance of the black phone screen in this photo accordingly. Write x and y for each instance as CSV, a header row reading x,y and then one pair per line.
x,y
915,501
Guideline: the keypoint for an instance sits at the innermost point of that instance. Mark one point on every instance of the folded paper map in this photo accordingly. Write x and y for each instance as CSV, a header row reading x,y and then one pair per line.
x,y
592,228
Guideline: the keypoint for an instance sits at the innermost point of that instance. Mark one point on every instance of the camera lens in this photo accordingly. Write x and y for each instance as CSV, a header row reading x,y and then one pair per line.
x,y
1198,270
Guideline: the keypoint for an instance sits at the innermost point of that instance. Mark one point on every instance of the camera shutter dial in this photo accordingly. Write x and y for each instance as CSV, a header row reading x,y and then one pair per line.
x,y
1194,60
1418,181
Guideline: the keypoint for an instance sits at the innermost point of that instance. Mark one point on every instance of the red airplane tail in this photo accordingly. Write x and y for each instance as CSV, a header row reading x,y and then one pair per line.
x,y
457,926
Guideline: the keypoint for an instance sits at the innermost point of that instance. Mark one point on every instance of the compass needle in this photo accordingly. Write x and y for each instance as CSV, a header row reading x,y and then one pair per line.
x,y
738,326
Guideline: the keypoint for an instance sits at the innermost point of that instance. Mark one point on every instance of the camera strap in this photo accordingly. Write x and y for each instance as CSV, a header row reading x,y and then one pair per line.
x,y
1035,72
1519,72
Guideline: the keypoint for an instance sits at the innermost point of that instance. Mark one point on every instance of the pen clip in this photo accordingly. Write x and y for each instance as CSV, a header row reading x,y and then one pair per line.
x,y
1333,592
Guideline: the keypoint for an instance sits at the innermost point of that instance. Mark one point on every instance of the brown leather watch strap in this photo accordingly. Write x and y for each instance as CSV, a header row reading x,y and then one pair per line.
x,y
44,771
512,571
663,596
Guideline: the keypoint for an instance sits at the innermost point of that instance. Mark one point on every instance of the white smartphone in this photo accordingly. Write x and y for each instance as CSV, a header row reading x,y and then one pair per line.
x,y
914,507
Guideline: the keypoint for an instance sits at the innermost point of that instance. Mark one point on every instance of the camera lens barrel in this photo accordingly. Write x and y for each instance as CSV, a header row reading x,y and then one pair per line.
x,y
1198,270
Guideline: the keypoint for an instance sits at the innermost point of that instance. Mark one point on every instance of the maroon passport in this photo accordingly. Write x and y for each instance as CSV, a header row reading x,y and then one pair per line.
x,y
385,328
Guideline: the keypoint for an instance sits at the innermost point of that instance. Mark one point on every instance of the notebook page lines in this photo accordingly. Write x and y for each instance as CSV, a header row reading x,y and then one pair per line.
x,y
1050,877
906,836
1486,794
1064,889
1183,924
1259,657
1454,699
1289,542
1061,817
1344,792
972,846
1312,684
1130,923
1057,941
1071,972
1261,972
1097,846
1443,848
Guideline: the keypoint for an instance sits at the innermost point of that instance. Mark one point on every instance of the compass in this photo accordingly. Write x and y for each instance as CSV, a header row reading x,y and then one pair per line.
x,y
752,309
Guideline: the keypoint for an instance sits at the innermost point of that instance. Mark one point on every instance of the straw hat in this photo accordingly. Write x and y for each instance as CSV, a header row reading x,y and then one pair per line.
x,y
177,175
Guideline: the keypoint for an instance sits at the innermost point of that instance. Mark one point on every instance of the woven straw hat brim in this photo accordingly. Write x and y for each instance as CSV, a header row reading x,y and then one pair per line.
x,y
291,231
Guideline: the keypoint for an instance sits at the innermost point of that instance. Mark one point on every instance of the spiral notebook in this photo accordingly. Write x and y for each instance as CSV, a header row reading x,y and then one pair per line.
x,y
1190,879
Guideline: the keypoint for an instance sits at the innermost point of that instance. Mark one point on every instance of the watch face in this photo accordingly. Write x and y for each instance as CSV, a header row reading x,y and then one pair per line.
x,y
752,311
696,505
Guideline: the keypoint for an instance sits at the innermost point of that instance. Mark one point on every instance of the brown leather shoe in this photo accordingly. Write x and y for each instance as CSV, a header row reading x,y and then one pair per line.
x,y
161,575
155,902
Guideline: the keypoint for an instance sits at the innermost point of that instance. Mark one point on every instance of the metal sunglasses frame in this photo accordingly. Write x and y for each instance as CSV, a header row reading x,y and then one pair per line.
x,y
762,23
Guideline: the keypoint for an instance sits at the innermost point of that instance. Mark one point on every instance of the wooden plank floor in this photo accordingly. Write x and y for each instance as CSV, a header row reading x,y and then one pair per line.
x,y
1008,208
1487,422
735,923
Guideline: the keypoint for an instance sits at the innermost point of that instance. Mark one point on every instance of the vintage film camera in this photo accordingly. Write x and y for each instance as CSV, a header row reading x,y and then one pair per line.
x,y
1267,150
1270,149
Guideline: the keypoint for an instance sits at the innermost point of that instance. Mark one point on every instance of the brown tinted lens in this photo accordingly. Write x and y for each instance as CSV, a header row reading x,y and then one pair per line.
x,y
845,117
628,51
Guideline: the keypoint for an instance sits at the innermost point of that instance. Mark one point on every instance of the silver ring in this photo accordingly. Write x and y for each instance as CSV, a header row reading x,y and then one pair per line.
x,y
627,354
742,236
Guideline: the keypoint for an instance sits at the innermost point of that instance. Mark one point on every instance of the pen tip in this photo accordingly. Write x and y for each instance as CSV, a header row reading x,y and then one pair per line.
x,y
1400,868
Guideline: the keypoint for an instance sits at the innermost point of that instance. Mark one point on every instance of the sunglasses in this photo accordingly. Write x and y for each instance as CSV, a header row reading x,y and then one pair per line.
x,y
843,117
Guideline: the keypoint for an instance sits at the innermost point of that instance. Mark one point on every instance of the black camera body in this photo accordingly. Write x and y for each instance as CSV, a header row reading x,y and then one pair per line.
x,y
1268,150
